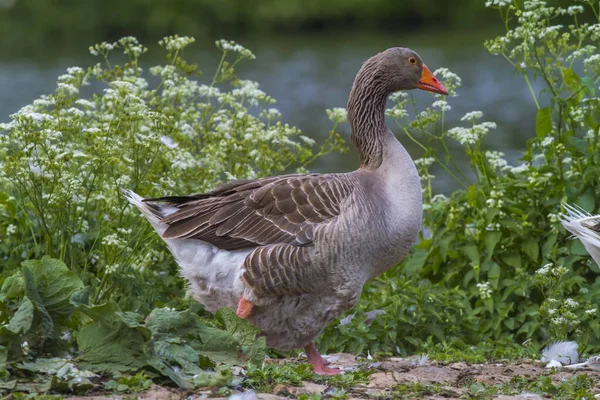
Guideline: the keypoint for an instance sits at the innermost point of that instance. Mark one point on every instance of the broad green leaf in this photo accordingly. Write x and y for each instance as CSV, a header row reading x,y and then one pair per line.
x,y
543,122
491,239
100,312
472,253
245,333
587,201
23,318
8,385
512,260
31,291
112,346
172,353
80,297
12,288
573,82
131,319
549,243
531,248
493,274
590,85
577,248
54,284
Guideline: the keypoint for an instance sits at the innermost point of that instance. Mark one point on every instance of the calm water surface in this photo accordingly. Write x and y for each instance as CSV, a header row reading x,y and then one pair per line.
x,y
309,74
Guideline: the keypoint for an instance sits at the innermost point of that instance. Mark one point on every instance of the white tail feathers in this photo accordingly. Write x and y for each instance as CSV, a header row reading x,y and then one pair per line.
x,y
153,212
213,274
579,222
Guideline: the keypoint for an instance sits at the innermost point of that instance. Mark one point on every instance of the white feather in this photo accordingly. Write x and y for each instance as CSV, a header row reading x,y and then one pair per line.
x,y
574,221
213,273
563,352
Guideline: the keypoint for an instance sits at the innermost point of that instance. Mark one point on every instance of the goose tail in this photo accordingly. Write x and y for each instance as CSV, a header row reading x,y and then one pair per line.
x,y
152,211
585,226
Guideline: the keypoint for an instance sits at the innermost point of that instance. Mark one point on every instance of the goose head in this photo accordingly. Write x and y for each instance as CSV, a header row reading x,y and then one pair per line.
x,y
400,68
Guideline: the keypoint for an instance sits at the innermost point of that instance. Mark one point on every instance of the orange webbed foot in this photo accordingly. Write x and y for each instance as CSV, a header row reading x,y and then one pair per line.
x,y
244,308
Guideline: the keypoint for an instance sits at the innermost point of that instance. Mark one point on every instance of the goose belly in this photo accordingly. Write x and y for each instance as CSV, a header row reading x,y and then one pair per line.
x,y
292,322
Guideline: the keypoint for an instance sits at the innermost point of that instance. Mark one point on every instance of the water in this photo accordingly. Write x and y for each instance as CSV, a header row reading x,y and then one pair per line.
x,y
311,73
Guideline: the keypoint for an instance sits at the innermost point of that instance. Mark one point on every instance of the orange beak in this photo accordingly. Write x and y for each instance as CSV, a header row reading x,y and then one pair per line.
x,y
430,83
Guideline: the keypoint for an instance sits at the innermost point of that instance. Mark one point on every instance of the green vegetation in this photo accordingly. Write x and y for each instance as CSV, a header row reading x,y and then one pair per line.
x,y
495,264
86,288
91,299
576,387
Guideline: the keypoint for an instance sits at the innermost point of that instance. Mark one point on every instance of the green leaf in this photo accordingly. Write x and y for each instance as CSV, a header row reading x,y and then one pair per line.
x,y
3,357
110,345
590,85
80,297
23,318
491,239
543,122
54,284
573,82
549,243
493,274
472,253
8,385
472,195
12,288
245,333
100,312
587,201
531,248
444,244
45,320
512,260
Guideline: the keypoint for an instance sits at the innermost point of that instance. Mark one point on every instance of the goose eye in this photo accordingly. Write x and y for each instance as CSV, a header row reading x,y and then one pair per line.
x,y
412,60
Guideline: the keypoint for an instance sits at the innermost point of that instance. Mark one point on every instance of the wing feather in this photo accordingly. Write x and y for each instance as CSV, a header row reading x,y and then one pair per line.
x,y
249,213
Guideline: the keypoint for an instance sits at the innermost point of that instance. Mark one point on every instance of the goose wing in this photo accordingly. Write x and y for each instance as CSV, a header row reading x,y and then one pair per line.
x,y
248,213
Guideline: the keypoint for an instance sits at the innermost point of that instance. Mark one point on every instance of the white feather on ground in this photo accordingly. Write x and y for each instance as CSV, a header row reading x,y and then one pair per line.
x,y
578,222
591,363
563,352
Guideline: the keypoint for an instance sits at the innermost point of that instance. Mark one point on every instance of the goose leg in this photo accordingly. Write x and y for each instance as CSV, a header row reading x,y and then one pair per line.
x,y
244,308
318,363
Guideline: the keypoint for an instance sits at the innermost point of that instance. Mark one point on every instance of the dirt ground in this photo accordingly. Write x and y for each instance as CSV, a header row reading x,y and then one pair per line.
x,y
452,381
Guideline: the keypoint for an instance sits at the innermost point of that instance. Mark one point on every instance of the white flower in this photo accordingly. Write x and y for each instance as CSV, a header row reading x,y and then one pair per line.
x,y
424,161
167,141
67,88
484,290
545,270
442,105
471,116
337,114
496,160
497,3
85,103
548,140
10,229
520,169
230,45
571,303
572,10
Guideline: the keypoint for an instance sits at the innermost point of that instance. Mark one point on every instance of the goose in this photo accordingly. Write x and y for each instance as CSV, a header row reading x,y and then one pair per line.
x,y
291,253
584,226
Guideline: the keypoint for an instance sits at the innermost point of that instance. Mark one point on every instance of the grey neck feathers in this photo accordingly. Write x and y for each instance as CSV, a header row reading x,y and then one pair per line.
x,y
366,113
